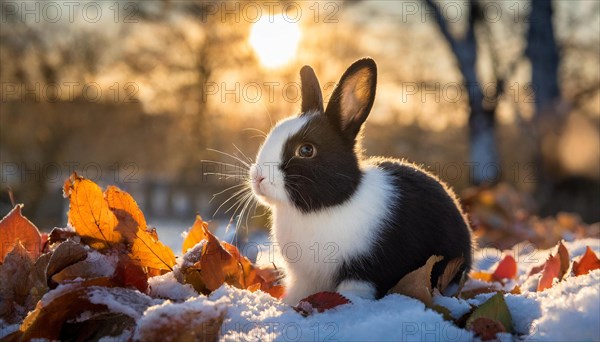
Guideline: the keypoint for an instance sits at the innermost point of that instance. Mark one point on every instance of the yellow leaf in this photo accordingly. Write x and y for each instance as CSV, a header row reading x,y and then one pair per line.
x,y
195,235
130,217
89,213
149,252
483,276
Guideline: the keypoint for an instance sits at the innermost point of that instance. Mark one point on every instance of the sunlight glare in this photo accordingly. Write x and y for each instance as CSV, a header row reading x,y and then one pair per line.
x,y
275,40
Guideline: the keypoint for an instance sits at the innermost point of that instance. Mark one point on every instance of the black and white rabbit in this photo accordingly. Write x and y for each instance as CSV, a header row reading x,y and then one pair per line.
x,y
345,223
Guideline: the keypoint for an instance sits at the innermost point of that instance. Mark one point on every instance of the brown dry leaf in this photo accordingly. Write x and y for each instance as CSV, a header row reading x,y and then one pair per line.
x,y
565,260
61,235
130,217
449,273
195,234
86,269
148,252
417,284
14,275
588,262
37,281
52,320
16,227
65,255
89,213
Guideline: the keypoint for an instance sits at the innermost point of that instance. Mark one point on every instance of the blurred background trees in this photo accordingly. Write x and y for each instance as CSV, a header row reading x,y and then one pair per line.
x,y
136,96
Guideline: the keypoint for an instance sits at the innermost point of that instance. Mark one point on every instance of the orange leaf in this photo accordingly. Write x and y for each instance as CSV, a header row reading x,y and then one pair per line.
x,y
195,235
250,275
551,270
148,252
217,265
483,276
15,227
89,213
588,262
276,291
506,269
253,287
130,217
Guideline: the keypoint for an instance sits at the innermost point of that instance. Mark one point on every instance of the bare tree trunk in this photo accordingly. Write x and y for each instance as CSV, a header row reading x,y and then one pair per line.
x,y
483,153
543,54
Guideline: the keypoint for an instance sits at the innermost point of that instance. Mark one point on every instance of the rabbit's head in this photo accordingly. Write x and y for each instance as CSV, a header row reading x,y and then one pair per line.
x,y
310,161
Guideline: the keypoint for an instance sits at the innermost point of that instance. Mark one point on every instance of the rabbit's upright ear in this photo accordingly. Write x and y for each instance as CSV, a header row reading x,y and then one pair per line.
x,y
353,97
312,98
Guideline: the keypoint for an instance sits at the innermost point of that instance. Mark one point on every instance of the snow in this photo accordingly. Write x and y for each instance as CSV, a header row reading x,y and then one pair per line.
x,y
256,316
166,286
126,301
570,310
195,312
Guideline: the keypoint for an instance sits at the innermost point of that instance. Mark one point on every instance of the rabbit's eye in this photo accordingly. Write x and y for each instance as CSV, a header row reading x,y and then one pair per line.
x,y
306,151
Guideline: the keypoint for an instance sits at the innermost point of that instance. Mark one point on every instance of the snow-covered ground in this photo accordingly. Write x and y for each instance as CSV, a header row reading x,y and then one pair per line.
x,y
570,310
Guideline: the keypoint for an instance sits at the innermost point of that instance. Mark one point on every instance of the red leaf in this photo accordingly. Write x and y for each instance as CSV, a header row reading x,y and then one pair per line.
x,y
588,262
487,328
16,227
320,301
507,269
129,274
551,270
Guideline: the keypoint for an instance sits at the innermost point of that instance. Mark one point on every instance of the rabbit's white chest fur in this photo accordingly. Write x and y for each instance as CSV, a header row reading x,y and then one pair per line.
x,y
314,245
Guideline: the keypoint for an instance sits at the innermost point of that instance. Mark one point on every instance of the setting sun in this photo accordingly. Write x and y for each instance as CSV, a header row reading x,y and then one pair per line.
x,y
275,40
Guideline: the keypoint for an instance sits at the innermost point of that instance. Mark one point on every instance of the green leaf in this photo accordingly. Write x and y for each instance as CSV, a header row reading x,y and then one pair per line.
x,y
496,309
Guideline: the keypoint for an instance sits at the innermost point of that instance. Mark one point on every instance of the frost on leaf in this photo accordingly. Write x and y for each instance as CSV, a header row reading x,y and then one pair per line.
x,y
193,320
86,311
